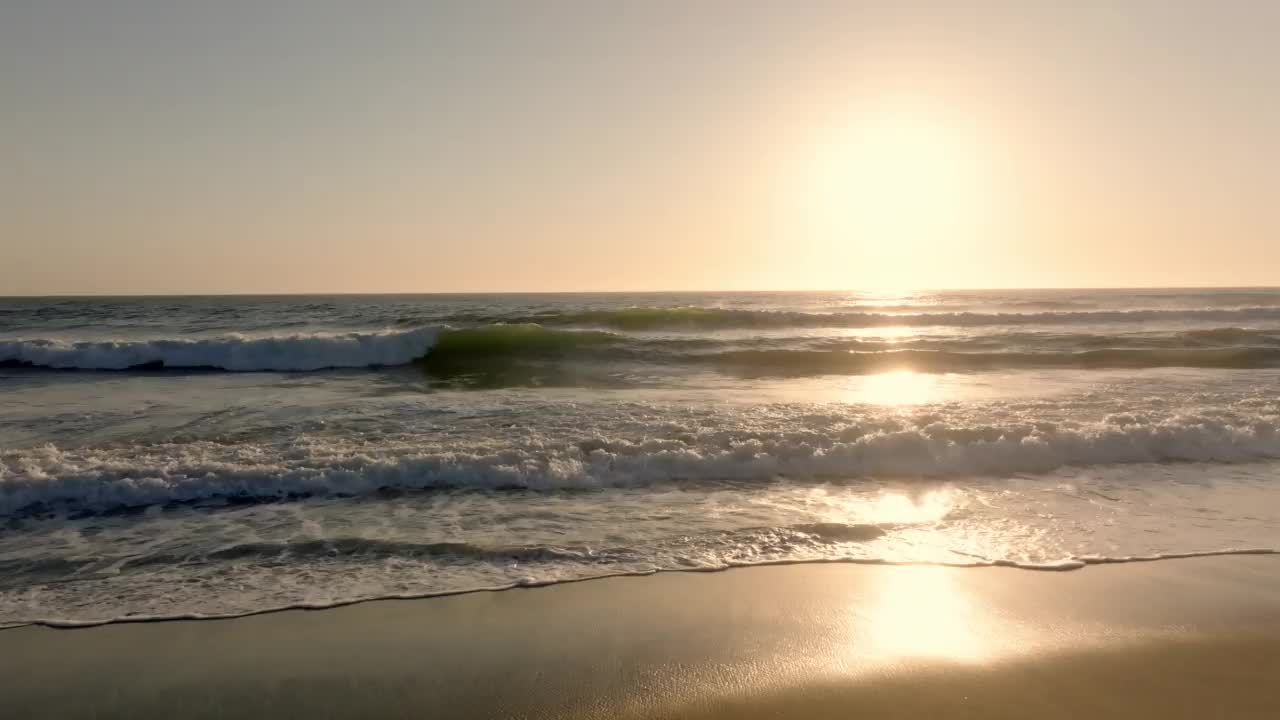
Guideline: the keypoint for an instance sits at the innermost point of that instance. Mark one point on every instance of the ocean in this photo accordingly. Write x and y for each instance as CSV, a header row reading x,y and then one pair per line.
x,y
165,457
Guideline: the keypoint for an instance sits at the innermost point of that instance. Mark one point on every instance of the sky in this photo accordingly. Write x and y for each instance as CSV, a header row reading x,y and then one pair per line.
x,y
478,146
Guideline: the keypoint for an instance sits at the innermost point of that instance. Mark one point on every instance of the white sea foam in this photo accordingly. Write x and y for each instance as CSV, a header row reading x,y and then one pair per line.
x,y
1064,565
109,478
234,352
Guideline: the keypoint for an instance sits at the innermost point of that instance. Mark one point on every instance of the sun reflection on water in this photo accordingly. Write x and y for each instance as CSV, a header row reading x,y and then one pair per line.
x,y
898,387
899,508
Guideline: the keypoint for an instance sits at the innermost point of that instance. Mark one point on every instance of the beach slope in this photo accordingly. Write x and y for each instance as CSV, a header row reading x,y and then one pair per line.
x,y
1194,638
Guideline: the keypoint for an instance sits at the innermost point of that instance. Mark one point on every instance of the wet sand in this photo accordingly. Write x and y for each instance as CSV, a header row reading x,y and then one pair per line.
x,y
1195,638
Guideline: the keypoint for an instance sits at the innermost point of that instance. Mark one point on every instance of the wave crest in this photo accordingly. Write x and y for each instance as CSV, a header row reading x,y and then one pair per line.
x,y
445,350
503,350
234,353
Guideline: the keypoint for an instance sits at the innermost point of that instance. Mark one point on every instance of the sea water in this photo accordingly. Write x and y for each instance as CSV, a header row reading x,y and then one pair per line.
x,y
212,456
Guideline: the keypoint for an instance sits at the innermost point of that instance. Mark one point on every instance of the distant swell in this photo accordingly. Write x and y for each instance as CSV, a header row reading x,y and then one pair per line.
x,y
697,318
805,362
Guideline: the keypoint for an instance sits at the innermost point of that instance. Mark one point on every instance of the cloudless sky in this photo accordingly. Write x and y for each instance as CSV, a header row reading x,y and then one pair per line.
x,y
317,146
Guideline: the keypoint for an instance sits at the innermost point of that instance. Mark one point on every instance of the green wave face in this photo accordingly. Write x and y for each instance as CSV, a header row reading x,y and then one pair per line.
x,y
510,355
521,339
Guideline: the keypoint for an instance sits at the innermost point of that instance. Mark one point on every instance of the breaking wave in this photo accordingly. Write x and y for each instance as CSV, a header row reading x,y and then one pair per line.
x,y
49,479
233,353
502,350
446,348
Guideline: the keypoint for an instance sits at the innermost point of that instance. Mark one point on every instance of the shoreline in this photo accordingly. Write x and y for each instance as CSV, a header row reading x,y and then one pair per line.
x,y
1064,566
1185,639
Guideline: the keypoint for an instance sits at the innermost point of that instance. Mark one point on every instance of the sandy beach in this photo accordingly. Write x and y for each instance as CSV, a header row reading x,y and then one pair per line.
x,y
1189,638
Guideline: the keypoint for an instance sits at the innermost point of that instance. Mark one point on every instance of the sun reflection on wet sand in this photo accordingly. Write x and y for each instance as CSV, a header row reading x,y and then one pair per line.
x,y
918,612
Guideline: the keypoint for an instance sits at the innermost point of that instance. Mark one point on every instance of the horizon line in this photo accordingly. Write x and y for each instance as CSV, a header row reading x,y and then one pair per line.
x,y
1010,288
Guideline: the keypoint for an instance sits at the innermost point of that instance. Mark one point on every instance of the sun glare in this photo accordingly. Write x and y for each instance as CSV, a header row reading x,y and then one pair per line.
x,y
920,613
894,192
897,508
896,387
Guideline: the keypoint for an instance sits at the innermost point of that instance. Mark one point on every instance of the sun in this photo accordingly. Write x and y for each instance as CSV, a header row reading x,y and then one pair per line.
x,y
893,193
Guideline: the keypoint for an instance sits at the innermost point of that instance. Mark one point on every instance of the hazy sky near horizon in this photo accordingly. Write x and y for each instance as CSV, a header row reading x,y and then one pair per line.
x,y
317,146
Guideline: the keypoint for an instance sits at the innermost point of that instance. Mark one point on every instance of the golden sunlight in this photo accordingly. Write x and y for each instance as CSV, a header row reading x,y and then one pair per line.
x,y
918,612
897,508
895,189
897,387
